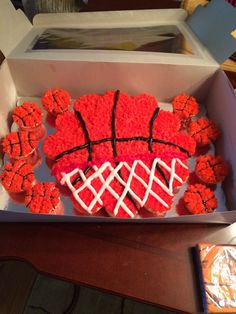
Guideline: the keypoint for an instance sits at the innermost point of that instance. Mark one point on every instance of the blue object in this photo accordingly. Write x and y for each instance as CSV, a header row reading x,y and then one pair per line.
x,y
213,25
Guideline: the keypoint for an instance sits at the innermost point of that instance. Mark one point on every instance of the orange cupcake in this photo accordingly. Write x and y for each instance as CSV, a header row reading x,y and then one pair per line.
x,y
185,106
204,131
44,198
199,199
29,117
211,169
17,177
56,101
19,145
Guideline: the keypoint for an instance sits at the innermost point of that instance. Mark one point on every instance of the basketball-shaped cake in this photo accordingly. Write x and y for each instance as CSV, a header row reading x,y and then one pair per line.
x,y
199,199
185,106
204,131
211,169
120,153
56,101
17,177
28,115
19,144
44,198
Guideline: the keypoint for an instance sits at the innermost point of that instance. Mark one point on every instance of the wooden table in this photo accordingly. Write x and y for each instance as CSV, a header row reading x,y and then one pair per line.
x,y
148,262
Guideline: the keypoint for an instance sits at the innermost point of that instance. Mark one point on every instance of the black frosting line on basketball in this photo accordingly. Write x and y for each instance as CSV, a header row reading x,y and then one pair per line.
x,y
17,172
158,168
127,139
29,141
18,135
79,177
54,96
20,118
113,122
185,104
155,114
86,134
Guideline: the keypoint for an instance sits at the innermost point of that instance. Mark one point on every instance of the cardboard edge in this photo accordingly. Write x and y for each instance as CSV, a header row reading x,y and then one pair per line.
x,y
111,18
14,25
220,102
8,96
216,218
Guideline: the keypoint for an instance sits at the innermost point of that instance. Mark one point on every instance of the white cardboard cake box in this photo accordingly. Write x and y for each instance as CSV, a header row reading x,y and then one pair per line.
x,y
29,72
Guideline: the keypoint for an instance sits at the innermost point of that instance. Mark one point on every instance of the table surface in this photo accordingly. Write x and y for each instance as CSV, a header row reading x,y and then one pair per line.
x,y
148,262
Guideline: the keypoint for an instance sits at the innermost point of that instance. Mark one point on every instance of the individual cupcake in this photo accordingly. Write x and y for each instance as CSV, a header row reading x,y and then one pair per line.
x,y
204,131
29,117
44,198
56,101
20,145
211,169
199,199
17,177
185,106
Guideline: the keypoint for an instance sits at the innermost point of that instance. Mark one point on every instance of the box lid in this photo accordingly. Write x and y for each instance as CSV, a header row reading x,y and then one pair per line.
x,y
17,35
13,26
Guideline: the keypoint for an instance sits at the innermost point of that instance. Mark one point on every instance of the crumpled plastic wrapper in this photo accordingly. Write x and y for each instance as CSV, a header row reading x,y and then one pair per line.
x,y
218,277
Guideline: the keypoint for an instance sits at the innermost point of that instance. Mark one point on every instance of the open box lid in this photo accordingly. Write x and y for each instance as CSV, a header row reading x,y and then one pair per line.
x,y
215,26
13,26
17,35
